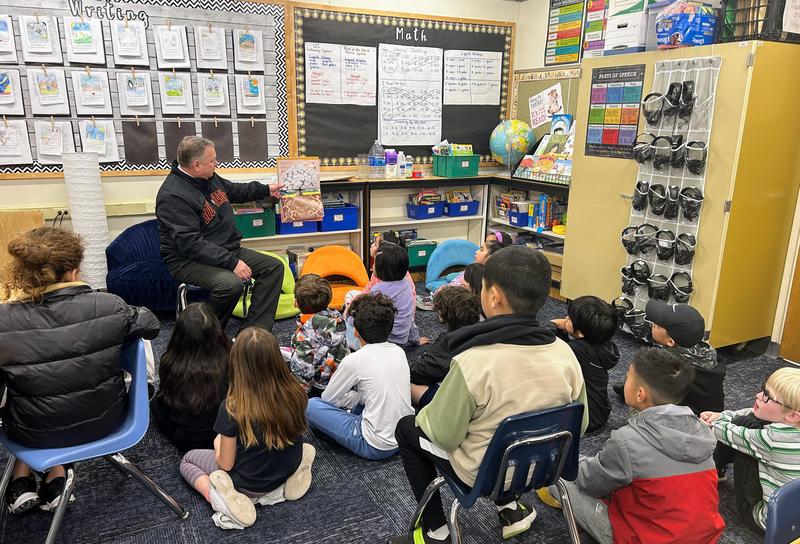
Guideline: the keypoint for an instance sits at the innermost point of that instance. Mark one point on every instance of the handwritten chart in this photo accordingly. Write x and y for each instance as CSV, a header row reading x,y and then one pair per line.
x,y
410,98
472,77
340,74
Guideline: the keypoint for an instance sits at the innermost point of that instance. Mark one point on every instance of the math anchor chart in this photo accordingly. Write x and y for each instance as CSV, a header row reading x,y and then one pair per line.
x,y
410,95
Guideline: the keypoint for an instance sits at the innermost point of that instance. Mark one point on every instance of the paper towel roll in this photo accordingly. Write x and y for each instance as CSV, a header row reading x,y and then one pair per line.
x,y
87,211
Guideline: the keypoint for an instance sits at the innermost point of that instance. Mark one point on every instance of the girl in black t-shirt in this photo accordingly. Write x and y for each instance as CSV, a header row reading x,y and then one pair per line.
x,y
258,456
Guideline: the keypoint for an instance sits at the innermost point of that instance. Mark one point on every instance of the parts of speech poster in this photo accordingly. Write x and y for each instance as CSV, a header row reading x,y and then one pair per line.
x,y
614,110
564,31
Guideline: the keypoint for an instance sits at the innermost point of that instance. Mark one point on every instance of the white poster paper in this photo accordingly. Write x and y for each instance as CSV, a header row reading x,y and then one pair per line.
x,y
6,35
129,43
791,16
212,53
40,41
472,77
135,93
340,74
53,139
545,104
175,90
92,94
48,91
250,94
84,38
410,95
100,137
15,148
248,49
213,94
172,49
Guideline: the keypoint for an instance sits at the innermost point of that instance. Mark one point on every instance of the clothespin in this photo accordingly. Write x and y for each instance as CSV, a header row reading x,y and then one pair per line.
x,y
5,121
173,73
126,22
94,121
133,72
252,121
137,121
88,70
209,27
215,123
36,14
179,122
44,69
52,122
169,24
247,29
212,73
249,75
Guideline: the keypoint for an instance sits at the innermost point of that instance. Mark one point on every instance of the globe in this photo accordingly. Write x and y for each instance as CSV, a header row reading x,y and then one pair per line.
x,y
510,141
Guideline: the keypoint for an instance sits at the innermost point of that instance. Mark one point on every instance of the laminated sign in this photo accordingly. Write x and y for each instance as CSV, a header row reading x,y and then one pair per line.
x,y
300,195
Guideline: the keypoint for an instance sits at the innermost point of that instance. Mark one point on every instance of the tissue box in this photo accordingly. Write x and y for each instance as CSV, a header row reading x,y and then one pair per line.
x,y
685,29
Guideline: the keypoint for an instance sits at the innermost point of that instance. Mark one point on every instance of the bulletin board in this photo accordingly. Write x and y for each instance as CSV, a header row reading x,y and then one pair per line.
x,y
249,135
338,132
528,83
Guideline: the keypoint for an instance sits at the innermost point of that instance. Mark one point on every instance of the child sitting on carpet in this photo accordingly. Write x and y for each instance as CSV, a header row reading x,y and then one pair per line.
x,y
773,445
372,382
473,278
259,455
456,307
318,345
193,379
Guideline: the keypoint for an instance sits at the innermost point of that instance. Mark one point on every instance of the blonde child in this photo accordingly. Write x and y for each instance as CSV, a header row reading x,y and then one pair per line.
x,y
259,455
775,447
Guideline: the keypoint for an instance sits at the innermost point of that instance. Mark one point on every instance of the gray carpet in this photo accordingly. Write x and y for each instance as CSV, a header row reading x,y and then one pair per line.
x,y
351,500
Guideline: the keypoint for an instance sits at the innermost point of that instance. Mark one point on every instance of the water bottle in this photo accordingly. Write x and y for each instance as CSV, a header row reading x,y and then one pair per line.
x,y
377,160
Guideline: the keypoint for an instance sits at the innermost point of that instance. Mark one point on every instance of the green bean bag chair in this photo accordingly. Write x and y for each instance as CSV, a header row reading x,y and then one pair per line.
x,y
286,307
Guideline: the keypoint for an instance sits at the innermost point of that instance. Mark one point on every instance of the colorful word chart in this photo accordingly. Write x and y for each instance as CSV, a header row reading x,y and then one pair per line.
x,y
614,110
564,32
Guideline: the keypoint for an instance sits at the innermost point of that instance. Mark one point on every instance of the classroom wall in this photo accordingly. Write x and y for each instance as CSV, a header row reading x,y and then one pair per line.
x,y
530,17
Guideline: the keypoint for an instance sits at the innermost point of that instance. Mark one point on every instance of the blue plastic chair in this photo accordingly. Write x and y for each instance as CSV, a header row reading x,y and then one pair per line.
x,y
533,450
783,514
132,359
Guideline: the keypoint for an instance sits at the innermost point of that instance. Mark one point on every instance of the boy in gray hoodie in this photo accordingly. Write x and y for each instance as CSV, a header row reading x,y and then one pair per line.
x,y
654,480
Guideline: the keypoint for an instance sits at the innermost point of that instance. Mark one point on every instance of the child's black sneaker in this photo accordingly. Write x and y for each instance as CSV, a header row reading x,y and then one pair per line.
x,y
722,474
516,521
50,493
21,495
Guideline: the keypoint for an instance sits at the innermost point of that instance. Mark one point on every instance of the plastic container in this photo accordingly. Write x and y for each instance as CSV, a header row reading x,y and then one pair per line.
x,y
377,160
518,219
298,227
401,165
424,211
341,218
256,225
456,166
458,209
419,253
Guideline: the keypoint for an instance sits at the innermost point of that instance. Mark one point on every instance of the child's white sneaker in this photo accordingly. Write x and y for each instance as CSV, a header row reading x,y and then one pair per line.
x,y
268,499
298,483
225,500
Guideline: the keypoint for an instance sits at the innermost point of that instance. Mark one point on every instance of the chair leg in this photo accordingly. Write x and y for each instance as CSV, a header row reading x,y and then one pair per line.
x,y
12,460
126,467
566,505
452,523
180,304
245,294
423,502
61,509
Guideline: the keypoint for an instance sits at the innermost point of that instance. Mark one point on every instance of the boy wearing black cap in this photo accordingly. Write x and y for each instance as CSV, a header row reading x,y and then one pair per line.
x,y
680,328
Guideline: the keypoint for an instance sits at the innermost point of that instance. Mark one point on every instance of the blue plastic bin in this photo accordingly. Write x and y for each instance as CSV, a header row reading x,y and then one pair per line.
x,y
298,227
340,218
424,211
457,209
518,219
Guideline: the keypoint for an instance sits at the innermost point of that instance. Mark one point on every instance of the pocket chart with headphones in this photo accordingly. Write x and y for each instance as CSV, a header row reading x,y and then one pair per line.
x,y
661,237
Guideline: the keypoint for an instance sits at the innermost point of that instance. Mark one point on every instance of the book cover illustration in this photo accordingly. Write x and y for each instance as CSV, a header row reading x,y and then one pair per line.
x,y
300,199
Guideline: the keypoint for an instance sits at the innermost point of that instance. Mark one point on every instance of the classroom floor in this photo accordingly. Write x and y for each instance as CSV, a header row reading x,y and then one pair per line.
x,y
351,500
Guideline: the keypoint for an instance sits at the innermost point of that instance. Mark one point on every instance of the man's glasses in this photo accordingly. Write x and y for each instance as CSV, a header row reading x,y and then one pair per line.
x,y
766,396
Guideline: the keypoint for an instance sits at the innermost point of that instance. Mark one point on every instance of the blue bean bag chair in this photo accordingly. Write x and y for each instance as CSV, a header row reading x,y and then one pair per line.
x,y
448,253
136,271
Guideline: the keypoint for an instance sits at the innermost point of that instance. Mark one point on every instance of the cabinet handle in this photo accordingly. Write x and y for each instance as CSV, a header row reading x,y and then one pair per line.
x,y
626,197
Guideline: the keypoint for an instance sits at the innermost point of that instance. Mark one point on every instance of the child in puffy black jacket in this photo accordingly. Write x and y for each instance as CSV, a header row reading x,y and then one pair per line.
x,y
588,329
456,307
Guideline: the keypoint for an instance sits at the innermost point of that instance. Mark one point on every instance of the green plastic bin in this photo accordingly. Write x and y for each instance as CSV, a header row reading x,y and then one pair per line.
x,y
419,252
456,166
256,225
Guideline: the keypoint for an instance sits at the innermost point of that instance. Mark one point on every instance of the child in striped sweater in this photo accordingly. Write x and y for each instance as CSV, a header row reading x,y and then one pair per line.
x,y
775,446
